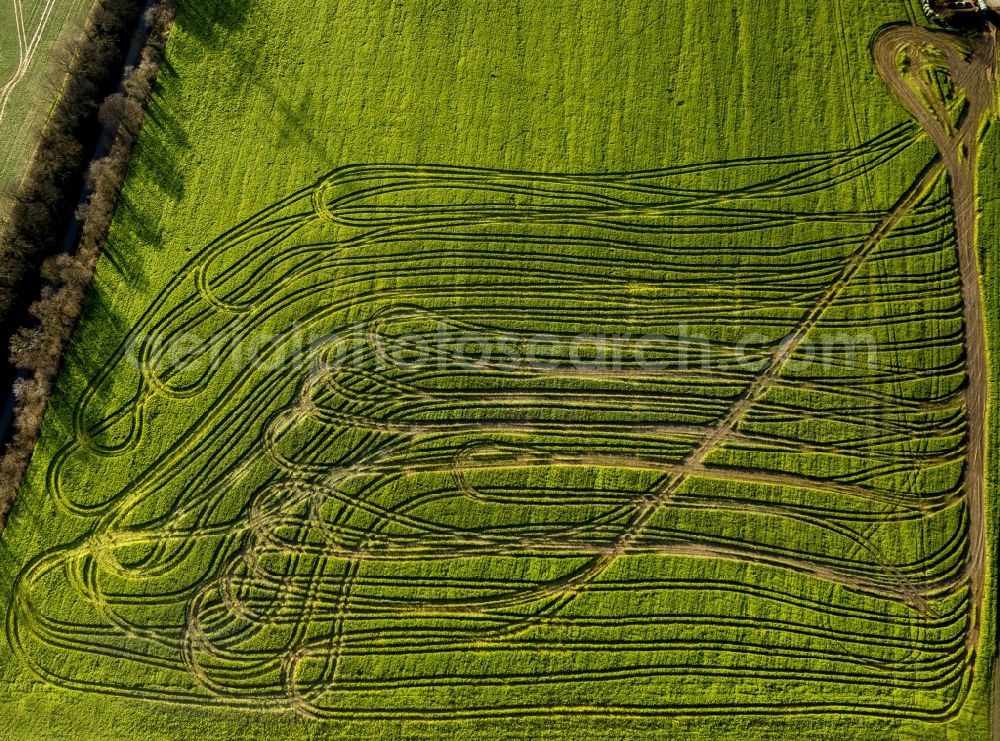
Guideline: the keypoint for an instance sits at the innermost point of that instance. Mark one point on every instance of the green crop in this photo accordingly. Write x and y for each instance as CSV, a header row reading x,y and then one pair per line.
x,y
514,369
28,33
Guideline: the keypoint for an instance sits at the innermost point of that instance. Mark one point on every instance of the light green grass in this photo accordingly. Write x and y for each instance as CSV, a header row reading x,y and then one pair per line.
x,y
176,567
27,67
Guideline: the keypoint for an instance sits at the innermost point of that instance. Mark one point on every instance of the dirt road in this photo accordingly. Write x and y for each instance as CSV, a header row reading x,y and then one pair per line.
x,y
903,55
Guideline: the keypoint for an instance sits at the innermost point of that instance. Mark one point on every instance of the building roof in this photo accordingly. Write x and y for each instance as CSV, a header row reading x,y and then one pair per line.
x,y
958,11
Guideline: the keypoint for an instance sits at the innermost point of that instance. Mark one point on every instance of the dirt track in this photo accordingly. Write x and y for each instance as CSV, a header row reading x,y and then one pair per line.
x,y
902,55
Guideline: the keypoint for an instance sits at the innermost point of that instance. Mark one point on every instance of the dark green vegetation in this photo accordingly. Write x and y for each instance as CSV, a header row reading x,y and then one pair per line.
x,y
751,522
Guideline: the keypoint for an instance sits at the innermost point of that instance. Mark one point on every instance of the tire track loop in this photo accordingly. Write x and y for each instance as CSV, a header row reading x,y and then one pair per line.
x,y
365,535
972,66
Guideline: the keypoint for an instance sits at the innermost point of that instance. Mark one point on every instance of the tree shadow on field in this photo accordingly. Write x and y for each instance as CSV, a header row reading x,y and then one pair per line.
x,y
205,19
155,167
31,527
158,149
134,234
104,327
295,123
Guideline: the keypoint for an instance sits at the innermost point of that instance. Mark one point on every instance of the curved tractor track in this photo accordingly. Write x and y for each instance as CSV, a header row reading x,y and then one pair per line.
x,y
342,531
905,56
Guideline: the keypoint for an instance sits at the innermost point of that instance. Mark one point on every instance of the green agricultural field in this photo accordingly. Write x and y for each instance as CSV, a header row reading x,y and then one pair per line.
x,y
514,369
29,29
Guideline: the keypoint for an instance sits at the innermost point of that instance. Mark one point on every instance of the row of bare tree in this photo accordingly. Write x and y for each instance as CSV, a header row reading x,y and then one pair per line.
x,y
35,217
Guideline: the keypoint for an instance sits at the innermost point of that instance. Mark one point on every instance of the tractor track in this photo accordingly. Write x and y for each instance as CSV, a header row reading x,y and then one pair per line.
x,y
292,489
